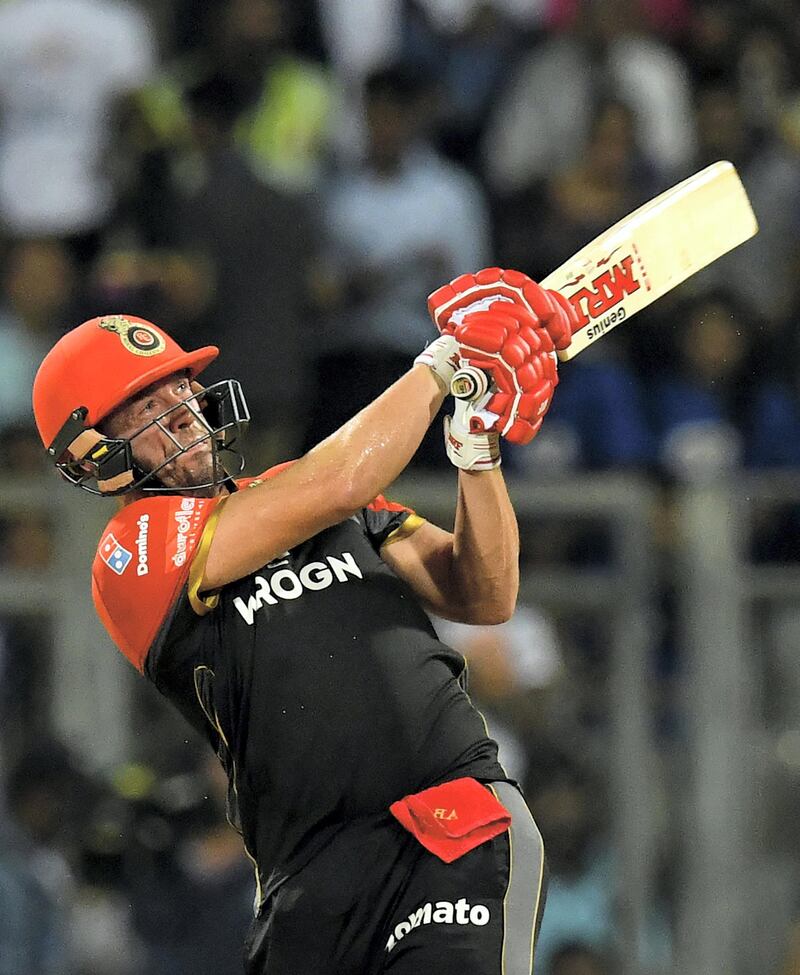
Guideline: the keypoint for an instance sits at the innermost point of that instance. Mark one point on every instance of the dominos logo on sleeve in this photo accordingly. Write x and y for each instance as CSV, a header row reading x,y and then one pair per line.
x,y
115,556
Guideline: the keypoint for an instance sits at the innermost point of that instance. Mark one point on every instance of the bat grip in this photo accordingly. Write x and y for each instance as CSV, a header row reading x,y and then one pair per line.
x,y
469,383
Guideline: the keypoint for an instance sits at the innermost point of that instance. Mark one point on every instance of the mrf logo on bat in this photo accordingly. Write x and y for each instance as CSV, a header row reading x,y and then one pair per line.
x,y
599,302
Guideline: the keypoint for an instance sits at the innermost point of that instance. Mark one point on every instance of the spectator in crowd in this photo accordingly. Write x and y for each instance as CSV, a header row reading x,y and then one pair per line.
x,y
470,48
766,71
667,18
38,285
715,409
571,806
467,45
541,123
63,63
600,422
259,245
180,850
361,35
47,795
711,42
280,93
33,924
580,899
279,108
581,200
579,959
101,918
163,283
515,670
763,271
398,224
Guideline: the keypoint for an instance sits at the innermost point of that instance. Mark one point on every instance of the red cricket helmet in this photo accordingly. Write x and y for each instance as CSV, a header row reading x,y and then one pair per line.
x,y
90,372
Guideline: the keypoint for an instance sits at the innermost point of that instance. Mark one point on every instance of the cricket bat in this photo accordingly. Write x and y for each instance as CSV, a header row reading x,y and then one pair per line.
x,y
643,256
652,250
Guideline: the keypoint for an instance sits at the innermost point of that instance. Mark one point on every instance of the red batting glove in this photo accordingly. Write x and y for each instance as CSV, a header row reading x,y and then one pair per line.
x,y
474,292
506,341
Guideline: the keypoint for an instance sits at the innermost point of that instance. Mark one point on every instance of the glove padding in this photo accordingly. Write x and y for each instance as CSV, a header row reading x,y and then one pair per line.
x,y
467,450
507,342
476,292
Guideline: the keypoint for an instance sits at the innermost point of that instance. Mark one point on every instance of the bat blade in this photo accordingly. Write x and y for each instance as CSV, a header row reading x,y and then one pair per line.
x,y
653,250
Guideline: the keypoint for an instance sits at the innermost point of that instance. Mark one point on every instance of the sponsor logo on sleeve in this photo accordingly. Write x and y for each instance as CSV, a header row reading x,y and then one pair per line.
x,y
187,519
143,524
440,912
115,556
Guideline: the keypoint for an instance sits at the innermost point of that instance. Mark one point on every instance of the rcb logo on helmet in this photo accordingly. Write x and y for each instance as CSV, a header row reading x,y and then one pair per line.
x,y
136,337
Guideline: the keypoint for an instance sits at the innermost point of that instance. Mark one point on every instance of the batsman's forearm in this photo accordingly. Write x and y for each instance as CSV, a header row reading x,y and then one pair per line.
x,y
485,560
370,451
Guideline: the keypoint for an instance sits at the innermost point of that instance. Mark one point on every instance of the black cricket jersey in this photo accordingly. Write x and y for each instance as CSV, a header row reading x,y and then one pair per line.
x,y
318,678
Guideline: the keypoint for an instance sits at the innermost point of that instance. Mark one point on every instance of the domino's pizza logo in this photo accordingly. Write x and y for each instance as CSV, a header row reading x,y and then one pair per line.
x,y
115,556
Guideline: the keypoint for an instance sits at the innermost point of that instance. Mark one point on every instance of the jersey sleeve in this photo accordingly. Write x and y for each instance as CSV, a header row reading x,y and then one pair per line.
x,y
148,553
387,521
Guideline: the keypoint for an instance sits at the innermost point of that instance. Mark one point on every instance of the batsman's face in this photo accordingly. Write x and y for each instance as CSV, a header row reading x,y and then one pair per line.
x,y
156,438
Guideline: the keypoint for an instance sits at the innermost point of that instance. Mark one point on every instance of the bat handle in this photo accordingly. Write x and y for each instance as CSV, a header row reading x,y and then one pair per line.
x,y
469,383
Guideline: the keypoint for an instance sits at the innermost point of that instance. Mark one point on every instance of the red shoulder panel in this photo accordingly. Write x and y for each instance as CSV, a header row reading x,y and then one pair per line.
x,y
141,565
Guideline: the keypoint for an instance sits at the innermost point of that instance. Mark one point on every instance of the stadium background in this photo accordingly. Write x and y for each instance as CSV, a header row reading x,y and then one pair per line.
x,y
290,178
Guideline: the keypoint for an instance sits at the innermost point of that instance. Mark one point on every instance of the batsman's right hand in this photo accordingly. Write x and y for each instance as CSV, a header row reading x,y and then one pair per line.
x,y
509,344
476,292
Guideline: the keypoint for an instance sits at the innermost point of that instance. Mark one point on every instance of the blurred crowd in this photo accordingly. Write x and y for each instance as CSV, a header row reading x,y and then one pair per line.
x,y
289,179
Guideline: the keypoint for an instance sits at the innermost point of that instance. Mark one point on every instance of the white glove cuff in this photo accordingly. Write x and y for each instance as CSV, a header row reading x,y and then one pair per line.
x,y
470,451
441,356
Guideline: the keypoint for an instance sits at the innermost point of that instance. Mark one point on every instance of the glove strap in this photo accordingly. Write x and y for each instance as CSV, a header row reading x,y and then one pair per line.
x,y
441,357
466,450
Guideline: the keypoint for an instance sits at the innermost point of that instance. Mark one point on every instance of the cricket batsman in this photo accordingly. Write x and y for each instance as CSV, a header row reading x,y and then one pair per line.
x,y
285,616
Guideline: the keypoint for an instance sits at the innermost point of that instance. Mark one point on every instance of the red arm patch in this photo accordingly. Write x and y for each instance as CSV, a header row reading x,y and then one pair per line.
x,y
382,504
387,521
142,563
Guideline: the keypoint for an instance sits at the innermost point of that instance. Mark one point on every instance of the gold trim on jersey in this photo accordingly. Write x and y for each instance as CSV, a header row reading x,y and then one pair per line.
x,y
217,726
464,684
409,526
202,604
